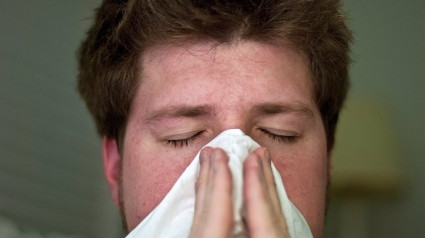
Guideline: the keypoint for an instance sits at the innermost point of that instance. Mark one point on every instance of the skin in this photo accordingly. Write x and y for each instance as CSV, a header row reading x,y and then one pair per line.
x,y
193,93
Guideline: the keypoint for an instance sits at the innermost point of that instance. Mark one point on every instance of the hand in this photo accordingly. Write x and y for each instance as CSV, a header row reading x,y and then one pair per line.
x,y
264,217
213,208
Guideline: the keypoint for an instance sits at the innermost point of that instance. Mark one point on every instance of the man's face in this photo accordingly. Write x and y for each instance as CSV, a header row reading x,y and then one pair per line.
x,y
190,94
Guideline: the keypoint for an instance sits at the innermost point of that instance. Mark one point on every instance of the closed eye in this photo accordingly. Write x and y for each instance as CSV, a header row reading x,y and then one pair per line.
x,y
287,139
179,143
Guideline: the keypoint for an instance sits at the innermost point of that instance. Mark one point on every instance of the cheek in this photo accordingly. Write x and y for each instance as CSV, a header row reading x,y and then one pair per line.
x,y
302,170
304,175
147,176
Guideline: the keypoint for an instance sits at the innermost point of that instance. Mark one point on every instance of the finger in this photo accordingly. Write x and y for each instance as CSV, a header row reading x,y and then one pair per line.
x,y
201,182
254,192
220,177
213,209
220,186
263,214
270,183
264,158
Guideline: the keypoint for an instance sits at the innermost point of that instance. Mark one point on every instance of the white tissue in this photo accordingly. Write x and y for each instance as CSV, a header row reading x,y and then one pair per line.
x,y
173,216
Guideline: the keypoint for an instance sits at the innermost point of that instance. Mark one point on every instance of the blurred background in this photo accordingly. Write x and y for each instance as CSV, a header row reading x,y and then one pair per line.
x,y
51,180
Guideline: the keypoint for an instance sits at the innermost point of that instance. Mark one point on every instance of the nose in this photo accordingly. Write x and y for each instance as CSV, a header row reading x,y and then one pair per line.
x,y
234,122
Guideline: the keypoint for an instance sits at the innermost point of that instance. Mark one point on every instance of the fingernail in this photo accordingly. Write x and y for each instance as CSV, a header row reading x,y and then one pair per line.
x,y
266,154
202,156
214,154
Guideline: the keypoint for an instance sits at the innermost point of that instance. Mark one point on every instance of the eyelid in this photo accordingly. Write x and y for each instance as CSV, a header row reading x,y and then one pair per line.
x,y
182,136
279,132
286,139
184,139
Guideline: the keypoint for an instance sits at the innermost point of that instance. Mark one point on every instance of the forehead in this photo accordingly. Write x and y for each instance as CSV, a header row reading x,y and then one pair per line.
x,y
240,72
211,53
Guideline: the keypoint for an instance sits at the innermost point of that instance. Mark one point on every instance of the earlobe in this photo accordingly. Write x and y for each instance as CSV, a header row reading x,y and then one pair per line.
x,y
111,166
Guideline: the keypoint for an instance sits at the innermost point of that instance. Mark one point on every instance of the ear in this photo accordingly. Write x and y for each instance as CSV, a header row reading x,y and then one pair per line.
x,y
111,166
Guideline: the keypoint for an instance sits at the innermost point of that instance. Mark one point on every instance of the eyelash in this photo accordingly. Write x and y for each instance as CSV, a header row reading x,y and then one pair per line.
x,y
279,138
186,142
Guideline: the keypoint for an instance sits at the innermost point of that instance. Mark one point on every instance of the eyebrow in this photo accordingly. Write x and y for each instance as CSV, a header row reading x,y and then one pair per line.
x,y
206,110
179,111
276,108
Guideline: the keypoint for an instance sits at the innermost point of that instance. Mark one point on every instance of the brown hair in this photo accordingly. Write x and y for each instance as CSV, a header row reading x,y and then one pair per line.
x,y
124,29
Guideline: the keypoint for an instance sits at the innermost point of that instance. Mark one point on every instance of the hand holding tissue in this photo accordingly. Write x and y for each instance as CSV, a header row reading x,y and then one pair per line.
x,y
173,217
